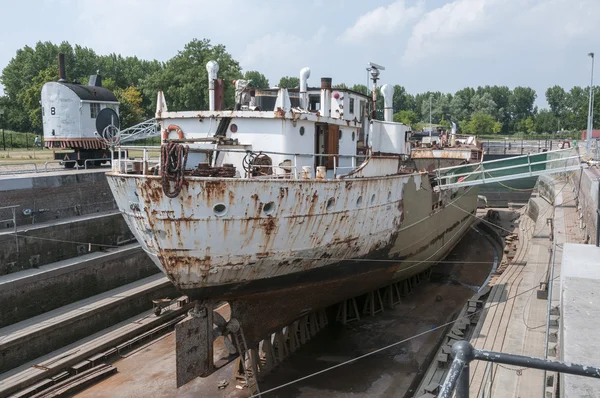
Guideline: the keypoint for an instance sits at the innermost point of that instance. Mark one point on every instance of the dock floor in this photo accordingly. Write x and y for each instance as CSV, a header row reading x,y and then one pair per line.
x,y
514,319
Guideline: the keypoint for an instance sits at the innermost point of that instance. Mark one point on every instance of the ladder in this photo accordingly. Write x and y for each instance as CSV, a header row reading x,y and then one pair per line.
x,y
245,371
512,168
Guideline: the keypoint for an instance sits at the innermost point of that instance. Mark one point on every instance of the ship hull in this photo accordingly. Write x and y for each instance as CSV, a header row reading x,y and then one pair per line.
x,y
323,241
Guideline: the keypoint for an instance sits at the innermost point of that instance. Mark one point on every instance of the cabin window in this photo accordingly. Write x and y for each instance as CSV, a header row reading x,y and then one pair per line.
x,y
94,110
362,108
352,106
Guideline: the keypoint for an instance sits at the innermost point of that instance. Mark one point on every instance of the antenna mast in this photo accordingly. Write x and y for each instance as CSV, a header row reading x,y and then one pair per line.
x,y
374,69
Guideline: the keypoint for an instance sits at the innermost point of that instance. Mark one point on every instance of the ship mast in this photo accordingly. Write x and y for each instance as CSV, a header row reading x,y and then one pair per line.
x,y
374,69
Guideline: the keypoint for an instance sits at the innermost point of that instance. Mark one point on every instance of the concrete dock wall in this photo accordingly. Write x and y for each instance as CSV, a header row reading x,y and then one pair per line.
x,y
59,194
72,280
586,183
47,339
50,242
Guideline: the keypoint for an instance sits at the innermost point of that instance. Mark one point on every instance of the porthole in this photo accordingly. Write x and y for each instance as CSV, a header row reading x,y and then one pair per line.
x,y
340,135
233,128
220,209
353,136
372,199
359,201
330,204
301,130
269,208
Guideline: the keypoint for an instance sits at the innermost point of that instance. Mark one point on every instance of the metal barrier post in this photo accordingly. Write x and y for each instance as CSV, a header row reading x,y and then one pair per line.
x,y
14,212
462,388
458,375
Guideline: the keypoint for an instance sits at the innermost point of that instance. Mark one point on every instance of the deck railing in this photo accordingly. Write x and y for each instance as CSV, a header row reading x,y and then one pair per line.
x,y
464,353
122,164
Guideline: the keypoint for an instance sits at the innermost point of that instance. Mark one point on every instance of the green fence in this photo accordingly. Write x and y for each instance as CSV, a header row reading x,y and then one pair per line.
x,y
15,140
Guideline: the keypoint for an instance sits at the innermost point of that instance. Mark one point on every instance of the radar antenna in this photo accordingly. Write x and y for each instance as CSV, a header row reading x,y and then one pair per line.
x,y
374,69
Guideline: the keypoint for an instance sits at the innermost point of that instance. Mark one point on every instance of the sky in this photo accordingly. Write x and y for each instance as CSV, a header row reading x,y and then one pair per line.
x,y
437,45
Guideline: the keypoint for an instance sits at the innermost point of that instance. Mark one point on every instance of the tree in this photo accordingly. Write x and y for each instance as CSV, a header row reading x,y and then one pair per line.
x,y
481,123
360,88
402,100
497,127
527,125
184,79
522,103
258,79
557,99
340,86
289,82
29,97
130,108
407,117
483,104
546,121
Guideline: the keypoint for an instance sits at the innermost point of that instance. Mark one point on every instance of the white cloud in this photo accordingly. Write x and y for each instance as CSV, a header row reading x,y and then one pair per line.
x,y
497,28
280,54
383,21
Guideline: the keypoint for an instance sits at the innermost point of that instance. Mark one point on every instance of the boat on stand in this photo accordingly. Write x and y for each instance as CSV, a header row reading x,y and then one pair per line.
x,y
294,200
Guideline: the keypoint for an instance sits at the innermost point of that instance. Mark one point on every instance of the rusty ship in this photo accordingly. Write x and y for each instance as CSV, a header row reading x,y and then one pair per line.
x,y
292,201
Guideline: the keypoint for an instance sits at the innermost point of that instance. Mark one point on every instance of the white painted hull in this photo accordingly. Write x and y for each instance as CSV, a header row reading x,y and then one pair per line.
x,y
313,224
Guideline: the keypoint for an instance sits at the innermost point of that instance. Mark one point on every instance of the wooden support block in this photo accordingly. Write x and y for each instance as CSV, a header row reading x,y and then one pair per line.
x,y
280,347
348,311
432,388
391,295
304,330
442,358
373,303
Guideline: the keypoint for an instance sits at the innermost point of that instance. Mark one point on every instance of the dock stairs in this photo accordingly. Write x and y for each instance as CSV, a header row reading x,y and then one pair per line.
x,y
512,168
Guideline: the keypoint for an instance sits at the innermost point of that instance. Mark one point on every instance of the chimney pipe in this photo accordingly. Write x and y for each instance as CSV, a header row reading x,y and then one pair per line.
x,y
212,67
388,94
62,76
304,75
325,96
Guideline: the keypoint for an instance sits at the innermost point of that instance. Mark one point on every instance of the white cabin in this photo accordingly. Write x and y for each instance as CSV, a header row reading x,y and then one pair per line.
x,y
69,113
291,130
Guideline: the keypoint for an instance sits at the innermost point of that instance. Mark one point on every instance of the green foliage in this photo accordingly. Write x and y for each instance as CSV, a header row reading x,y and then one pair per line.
x,y
407,117
497,127
546,121
13,139
360,88
130,108
481,123
258,79
184,79
340,86
289,82
30,96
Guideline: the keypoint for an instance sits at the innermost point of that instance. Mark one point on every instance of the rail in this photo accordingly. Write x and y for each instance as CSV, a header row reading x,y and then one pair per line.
x,y
20,164
13,209
552,162
121,164
464,353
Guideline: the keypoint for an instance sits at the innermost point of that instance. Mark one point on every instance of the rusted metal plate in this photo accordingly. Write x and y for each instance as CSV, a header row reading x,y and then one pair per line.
x,y
193,345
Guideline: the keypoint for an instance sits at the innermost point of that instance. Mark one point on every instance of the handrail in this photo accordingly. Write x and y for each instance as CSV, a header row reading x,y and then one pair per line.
x,y
483,164
519,157
20,164
13,208
464,353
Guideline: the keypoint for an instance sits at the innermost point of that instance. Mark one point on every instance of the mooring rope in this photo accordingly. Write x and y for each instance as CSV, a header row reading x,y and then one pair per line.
x,y
172,167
